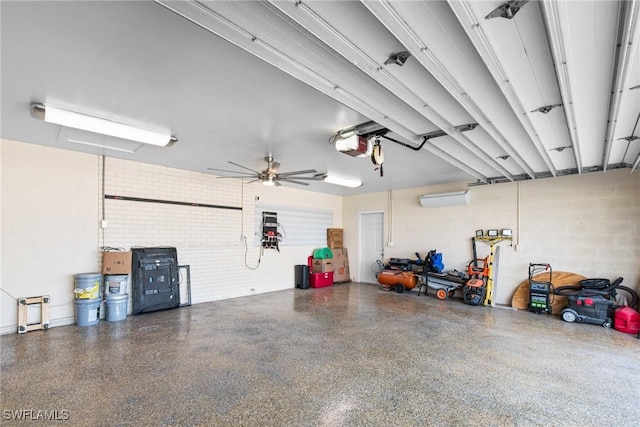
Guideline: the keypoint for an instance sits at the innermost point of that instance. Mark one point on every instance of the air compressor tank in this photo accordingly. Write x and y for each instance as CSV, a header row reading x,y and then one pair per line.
x,y
398,280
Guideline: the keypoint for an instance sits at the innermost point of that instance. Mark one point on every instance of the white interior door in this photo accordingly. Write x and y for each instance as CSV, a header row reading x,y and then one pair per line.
x,y
371,244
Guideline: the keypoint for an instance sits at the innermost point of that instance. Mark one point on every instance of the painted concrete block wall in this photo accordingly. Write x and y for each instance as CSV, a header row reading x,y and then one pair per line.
x,y
584,224
49,227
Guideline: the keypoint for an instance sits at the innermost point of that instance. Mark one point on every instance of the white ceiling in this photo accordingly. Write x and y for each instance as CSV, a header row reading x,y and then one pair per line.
x,y
235,81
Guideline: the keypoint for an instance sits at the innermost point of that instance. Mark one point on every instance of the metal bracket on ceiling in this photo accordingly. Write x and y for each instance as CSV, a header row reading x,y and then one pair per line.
x,y
546,108
343,133
630,138
507,10
560,149
379,131
382,133
398,58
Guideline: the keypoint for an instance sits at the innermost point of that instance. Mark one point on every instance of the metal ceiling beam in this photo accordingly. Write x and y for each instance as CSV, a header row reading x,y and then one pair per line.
x,y
474,30
220,18
387,14
305,15
553,26
627,48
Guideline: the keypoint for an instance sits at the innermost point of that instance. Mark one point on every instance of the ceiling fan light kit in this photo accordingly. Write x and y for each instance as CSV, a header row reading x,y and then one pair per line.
x,y
269,182
72,119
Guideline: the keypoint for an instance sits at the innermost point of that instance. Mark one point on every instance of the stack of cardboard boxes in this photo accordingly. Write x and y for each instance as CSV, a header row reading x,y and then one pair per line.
x,y
340,255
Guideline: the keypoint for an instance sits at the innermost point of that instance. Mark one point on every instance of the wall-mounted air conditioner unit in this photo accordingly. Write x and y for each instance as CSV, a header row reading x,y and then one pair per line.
x,y
452,198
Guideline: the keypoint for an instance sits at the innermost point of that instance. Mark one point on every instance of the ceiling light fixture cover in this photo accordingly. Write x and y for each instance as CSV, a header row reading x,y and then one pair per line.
x,y
345,182
269,181
99,125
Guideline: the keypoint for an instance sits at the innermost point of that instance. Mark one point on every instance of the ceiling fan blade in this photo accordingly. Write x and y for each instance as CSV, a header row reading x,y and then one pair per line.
x,y
237,176
304,178
224,170
293,181
243,167
255,180
277,184
297,172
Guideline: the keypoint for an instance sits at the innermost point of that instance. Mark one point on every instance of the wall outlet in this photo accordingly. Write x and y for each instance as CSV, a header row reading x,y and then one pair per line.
x,y
389,244
103,224
518,248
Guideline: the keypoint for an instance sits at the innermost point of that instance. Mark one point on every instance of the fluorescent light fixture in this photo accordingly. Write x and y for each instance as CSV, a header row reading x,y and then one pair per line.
x,y
94,124
345,182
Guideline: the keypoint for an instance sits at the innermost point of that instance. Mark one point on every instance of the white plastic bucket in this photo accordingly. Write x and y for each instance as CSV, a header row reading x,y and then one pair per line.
x,y
87,311
116,305
115,284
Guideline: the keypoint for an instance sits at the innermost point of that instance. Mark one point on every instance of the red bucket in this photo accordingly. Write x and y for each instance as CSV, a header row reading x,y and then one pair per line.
x,y
626,319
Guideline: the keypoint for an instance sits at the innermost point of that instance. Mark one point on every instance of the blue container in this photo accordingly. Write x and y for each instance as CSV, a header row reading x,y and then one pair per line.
x,y
87,311
115,284
87,285
116,307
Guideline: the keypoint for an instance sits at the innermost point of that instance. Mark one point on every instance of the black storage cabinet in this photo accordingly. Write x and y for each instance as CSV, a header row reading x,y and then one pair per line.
x,y
302,276
154,279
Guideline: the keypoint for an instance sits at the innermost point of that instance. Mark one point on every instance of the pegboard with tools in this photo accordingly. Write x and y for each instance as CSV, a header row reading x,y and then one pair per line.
x,y
271,238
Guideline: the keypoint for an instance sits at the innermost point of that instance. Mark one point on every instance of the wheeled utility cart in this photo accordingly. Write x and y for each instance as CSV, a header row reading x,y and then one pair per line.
x,y
445,285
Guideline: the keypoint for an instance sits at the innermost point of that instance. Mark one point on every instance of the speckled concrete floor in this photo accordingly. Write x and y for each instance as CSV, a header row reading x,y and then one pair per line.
x,y
347,355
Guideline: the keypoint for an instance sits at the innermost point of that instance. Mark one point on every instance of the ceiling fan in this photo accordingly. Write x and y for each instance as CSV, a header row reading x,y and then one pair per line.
x,y
270,175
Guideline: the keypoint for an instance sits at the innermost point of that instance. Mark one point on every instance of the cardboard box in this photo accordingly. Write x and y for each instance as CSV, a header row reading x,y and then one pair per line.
x,y
335,238
320,280
341,272
116,262
322,265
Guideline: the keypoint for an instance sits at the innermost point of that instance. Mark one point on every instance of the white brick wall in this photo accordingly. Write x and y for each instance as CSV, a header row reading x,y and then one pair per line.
x,y
207,239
